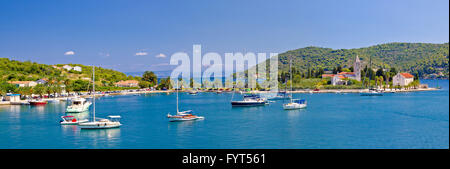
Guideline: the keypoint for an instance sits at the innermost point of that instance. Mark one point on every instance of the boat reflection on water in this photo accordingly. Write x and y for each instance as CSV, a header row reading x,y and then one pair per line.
x,y
294,113
108,134
69,129
17,108
183,129
38,109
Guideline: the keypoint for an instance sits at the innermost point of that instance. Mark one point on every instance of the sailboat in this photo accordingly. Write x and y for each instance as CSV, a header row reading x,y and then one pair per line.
x,y
372,91
294,103
110,122
282,95
250,99
183,115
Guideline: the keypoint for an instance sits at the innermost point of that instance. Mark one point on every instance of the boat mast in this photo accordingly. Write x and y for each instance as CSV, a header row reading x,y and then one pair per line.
x,y
290,74
93,89
370,67
177,96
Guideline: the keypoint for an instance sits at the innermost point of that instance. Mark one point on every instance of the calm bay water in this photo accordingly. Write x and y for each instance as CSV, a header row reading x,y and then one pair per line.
x,y
401,120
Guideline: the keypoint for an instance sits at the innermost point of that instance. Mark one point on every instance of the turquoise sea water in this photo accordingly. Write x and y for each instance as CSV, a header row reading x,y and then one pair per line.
x,y
401,120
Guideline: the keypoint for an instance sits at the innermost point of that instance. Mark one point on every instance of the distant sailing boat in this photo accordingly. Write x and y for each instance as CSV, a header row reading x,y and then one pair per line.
x,y
184,115
372,91
111,122
248,100
295,103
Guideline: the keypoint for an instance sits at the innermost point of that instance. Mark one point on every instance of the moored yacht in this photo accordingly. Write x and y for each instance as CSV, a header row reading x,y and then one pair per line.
x,y
78,105
183,115
110,122
280,96
250,100
193,92
38,102
294,103
372,92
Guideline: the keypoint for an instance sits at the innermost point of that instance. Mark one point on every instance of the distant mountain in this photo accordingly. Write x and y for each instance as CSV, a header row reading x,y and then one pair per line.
x,y
418,58
160,74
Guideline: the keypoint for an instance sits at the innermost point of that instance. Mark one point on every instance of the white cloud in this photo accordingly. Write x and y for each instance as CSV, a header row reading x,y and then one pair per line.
x,y
69,53
103,55
161,55
141,53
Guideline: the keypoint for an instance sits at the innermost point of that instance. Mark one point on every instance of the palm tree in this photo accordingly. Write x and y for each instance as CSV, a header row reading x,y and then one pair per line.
x,y
39,89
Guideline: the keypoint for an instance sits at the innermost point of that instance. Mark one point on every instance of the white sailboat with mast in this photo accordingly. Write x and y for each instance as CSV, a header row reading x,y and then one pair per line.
x,y
372,91
110,122
294,103
183,115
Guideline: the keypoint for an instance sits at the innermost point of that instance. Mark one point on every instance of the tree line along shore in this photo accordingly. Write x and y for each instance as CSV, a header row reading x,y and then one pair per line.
x,y
422,60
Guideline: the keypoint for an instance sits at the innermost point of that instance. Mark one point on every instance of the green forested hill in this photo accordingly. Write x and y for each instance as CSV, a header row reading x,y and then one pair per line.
x,y
417,58
12,70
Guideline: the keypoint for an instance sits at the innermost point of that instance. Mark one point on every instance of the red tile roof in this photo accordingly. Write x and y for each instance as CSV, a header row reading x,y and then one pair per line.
x,y
327,75
346,73
20,82
127,82
407,75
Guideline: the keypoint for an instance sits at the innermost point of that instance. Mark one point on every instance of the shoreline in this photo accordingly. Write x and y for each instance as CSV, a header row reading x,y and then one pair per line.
x,y
337,91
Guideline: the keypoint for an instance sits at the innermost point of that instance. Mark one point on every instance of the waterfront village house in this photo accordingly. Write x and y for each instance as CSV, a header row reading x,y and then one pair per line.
x,y
13,97
23,83
338,79
77,68
67,67
402,79
127,83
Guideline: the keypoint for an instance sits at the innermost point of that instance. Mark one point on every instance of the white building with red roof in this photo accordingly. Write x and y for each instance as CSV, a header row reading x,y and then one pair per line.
x,y
402,79
340,78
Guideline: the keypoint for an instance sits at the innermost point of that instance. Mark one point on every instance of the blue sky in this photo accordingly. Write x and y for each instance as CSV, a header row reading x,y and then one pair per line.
x,y
130,35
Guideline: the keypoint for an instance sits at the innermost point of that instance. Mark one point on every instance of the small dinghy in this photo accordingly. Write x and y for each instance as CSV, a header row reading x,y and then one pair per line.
x,y
71,120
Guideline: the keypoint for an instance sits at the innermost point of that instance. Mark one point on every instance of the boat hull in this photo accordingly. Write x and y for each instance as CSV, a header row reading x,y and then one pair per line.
x,y
72,123
98,125
185,119
293,106
38,103
238,103
371,94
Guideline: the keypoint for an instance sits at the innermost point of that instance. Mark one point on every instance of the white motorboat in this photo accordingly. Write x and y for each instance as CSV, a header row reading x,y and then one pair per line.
x,y
372,93
295,104
53,101
71,120
110,122
193,92
183,115
78,105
